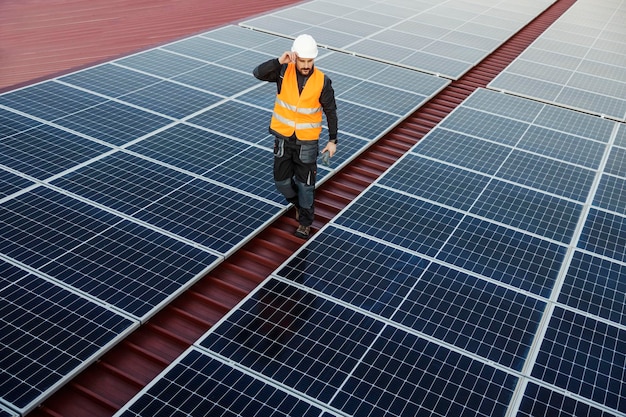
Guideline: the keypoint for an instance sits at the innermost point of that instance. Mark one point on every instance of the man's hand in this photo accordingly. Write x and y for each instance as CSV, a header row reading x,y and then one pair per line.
x,y
331,148
287,57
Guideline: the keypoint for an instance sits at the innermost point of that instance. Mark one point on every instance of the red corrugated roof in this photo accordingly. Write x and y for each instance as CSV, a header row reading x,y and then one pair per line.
x,y
60,39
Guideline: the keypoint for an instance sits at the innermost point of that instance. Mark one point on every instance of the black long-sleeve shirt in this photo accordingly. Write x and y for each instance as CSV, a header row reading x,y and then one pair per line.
x,y
271,71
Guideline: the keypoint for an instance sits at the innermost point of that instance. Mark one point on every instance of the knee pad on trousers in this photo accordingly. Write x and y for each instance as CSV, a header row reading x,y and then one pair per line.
x,y
285,187
305,195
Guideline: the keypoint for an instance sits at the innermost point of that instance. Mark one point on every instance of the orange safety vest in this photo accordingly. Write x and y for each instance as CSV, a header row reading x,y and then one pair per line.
x,y
295,112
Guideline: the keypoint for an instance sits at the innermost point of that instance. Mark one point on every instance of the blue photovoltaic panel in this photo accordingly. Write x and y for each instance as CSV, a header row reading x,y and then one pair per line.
x,y
11,123
218,80
548,175
171,99
529,210
160,63
11,183
197,210
604,234
403,374
355,269
203,48
237,120
616,164
539,401
189,148
584,356
578,62
464,151
401,220
44,151
216,217
48,333
477,316
435,181
559,145
122,263
398,102
214,388
362,121
611,194
478,124
337,356
49,100
597,286
264,95
124,182
250,171
506,255
290,335
110,80
114,122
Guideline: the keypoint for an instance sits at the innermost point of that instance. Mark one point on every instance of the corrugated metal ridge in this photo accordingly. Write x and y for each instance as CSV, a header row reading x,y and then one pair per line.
x,y
104,387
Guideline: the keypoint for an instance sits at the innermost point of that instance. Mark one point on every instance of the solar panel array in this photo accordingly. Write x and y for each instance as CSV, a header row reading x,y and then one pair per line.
x,y
479,276
124,183
579,62
446,38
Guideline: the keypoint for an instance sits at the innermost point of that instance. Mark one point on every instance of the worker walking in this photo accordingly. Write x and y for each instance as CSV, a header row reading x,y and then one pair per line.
x,y
303,93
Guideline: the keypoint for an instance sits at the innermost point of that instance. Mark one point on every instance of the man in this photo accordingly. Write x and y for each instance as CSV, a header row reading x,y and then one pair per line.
x,y
303,92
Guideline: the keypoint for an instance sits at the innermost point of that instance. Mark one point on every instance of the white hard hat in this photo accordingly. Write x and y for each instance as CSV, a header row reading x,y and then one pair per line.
x,y
305,46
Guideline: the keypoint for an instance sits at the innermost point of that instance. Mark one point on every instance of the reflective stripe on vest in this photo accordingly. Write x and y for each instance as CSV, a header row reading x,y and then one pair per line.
x,y
299,113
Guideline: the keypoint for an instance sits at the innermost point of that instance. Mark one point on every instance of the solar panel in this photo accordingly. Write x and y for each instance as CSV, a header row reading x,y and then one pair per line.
x,y
291,335
578,62
218,389
449,288
129,180
122,263
76,330
585,356
461,32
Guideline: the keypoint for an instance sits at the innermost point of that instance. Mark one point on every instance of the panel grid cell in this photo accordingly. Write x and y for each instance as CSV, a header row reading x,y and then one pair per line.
x,y
48,332
529,210
472,314
539,401
122,263
406,375
48,101
402,220
435,181
584,356
512,257
295,338
596,286
198,385
548,175
355,269
45,151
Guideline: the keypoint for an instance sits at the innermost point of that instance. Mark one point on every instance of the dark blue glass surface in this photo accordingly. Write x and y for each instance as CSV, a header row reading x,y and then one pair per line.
x,y
296,338
213,388
47,334
584,356
480,317
514,258
605,234
432,180
355,269
402,220
114,122
529,210
404,375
